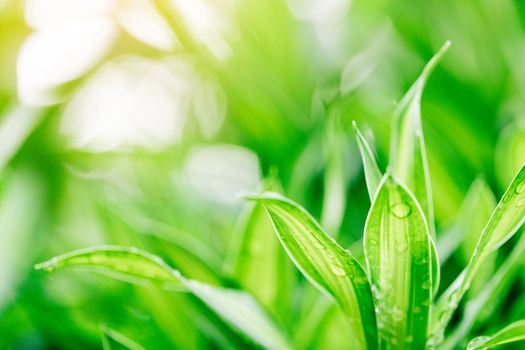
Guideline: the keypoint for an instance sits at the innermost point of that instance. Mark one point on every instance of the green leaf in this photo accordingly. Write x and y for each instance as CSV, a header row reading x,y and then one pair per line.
x,y
327,265
258,262
237,308
372,172
127,264
480,205
398,255
334,199
512,333
408,159
476,208
483,306
506,219
110,336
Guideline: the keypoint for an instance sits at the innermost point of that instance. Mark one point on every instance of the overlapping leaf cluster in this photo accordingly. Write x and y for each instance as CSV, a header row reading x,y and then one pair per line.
x,y
392,300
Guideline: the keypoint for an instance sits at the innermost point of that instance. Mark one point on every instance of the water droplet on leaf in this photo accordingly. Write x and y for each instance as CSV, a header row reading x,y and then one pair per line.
x,y
520,187
476,342
338,271
397,314
401,210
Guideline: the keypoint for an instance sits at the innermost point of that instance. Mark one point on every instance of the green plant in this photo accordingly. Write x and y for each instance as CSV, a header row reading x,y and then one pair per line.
x,y
392,304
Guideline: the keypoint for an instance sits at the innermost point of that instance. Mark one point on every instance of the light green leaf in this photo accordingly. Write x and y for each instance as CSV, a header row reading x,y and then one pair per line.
x,y
127,264
132,265
372,172
327,265
476,208
506,219
480,205
334,199
494,291
408,159
21,206
258,262
512,333
398,255
110,335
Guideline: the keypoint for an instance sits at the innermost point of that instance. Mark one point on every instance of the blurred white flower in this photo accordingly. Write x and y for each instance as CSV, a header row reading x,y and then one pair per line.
x,y
135,102
71,36
42,14
57,55
208,23
142,21
221,172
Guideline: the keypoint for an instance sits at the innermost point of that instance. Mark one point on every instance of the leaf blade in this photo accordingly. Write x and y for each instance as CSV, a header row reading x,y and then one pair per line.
x,y
506,219
373,174
139,266
398,254
408,159
328,266
512,333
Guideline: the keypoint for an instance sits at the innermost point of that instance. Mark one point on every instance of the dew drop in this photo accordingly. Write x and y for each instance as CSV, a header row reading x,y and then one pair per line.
x,y
409,339
476,342
520,187
319,245
375,292
401,210
338,271
397,314
421,260
453,299
426,284
434,340
372,241
520,203
443,318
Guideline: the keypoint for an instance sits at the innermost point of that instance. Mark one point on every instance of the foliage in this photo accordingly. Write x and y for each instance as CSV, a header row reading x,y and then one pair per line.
x,y
129,131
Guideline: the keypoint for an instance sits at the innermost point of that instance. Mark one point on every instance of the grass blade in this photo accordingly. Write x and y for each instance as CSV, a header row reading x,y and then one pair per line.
x,y
110,335
257,261
327,265
408,159
506,219
372,172
237,308
334,199
127,264
512,333
398,255
480,308
475,210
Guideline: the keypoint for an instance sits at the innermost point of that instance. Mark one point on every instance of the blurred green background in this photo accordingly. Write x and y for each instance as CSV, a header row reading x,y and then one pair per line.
x,y
139,123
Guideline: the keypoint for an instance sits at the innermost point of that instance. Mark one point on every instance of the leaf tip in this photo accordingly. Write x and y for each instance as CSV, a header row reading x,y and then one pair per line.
x,y
47,266
261,196
250,197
